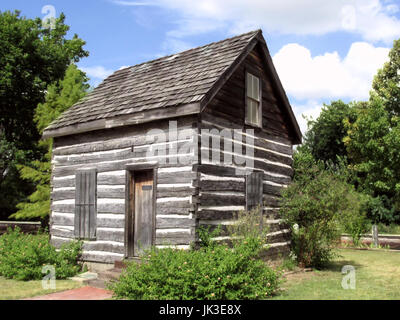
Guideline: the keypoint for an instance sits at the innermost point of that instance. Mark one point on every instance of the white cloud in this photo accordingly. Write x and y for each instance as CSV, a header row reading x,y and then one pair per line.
x,y
374,20
328,76
310,110
97,72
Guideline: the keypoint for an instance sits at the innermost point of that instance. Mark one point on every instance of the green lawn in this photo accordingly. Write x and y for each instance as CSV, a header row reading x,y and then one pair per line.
x,y
13,289
377,277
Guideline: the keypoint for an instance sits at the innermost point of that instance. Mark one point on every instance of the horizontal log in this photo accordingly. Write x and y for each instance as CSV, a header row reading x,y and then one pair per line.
x,y
165,223
225,171
111,179
60,171
111,234
280,179
243,146
111,193
59,231
110,139
104,220
272,190
58,242
102,257
63,183
242,161
118,208
216,170
138,151
64,208
174,204
271,201
210,199
115,247
166,210
63,220
272,213
114,253
62,194
222,185
216,215
175,192
176,177
278,236
186,239
222,121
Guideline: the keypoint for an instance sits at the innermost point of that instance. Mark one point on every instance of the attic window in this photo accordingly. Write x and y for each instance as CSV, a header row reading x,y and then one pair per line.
x,y
253,100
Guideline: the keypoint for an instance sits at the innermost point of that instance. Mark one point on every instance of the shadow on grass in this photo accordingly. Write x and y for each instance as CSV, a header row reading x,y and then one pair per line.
x,y
336,266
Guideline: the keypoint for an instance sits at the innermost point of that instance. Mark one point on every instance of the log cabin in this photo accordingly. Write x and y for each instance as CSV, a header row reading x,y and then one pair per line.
x,y
164,147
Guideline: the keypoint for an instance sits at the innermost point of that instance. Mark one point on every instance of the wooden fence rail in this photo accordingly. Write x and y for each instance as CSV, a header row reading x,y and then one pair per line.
x,y
25,226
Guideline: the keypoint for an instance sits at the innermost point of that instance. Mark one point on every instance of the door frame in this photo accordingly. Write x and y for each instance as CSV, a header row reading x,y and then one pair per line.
x,y
131,169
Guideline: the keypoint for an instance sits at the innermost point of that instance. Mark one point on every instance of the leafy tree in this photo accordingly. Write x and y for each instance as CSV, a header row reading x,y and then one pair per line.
x,y
60,96
386,83
373,141
318,206
324,138
31,58
373,145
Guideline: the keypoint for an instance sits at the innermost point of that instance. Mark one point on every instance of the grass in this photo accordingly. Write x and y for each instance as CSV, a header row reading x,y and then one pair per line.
x,y
376,278
13,289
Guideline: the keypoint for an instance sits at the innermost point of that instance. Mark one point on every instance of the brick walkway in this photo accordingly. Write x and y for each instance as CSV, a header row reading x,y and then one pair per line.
x,y
84,293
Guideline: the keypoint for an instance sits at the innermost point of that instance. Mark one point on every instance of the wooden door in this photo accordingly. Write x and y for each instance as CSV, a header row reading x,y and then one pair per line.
x,y
142,213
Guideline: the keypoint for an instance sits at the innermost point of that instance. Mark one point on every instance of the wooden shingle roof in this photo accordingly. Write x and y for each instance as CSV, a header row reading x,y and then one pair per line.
x,y
178,84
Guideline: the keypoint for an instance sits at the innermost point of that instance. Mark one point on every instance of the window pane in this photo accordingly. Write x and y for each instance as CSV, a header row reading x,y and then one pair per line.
x,y
254,107
249,85
256,88
248,110
252,112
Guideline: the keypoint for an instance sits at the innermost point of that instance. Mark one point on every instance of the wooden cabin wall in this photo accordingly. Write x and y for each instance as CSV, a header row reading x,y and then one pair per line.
x,y
222,189
109,151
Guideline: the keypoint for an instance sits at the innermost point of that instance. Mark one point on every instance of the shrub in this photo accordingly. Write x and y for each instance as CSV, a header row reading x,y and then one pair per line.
x,y
249,224
316,205
355,221
216,271
22,256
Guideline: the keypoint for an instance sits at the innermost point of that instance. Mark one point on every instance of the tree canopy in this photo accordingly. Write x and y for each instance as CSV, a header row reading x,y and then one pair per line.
x,y
31,58
386,83
60,96
366,135
324,138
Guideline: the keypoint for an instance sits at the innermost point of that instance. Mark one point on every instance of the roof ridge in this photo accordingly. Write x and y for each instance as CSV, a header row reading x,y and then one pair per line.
x,y
256,32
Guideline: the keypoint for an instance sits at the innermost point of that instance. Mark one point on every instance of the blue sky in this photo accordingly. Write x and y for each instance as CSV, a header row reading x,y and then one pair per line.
x,y
323,50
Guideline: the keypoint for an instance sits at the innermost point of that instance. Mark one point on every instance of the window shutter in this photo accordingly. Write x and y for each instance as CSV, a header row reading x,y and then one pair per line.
x,y
85,204
254,190
254,194
253,102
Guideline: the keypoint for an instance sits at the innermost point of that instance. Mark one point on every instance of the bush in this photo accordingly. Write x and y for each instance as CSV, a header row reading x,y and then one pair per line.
x,y
22,256
354,221
215,271
317,205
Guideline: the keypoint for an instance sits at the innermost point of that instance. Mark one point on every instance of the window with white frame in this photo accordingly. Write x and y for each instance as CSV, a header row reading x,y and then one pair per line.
x,y
253,100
